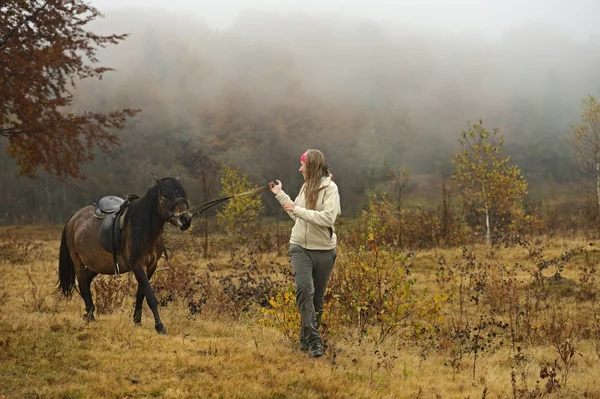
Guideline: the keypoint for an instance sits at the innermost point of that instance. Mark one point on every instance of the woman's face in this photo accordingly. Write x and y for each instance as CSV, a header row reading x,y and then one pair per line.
x,y
302,169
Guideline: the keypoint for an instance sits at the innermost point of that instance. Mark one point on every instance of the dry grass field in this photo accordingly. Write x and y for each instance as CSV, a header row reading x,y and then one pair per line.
x,y
47,350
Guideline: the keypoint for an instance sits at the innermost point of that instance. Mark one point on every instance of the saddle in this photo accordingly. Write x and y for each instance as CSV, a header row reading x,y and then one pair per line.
x,y
111,210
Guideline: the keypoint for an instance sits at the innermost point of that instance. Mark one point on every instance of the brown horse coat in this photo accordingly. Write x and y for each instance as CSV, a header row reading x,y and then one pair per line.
x,y
140,247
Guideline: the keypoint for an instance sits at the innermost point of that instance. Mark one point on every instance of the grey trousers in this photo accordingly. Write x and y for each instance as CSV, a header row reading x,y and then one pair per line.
x,y
312,269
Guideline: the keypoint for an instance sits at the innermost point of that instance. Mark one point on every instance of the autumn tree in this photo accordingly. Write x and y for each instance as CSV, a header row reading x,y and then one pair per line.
x,y
398,179
44,49
207,171
487,181
241,215
585,139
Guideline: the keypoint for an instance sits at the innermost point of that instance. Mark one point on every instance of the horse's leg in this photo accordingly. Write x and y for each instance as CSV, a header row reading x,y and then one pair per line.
x,y
139,297
90,274
90,309
144,285
84,279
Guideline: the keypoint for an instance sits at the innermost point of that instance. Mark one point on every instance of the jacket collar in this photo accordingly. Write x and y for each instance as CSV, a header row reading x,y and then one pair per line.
x,y
325,182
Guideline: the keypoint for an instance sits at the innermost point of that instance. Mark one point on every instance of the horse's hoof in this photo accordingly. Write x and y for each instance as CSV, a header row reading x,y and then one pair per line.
x,y
137,317
89,317
160,329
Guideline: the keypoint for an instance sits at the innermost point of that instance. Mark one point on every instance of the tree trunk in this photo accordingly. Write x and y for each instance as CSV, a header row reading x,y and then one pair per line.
x,y
65,208
488,236
277,243
598,184
205,236
48,215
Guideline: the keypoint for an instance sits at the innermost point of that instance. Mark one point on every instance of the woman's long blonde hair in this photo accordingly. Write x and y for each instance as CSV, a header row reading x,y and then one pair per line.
x,y
315,168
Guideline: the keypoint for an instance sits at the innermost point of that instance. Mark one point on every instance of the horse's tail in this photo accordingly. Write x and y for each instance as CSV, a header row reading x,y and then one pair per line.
x,y
66,268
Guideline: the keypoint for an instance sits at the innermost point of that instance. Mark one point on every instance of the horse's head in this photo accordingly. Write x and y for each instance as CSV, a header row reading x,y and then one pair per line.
x,y
172,202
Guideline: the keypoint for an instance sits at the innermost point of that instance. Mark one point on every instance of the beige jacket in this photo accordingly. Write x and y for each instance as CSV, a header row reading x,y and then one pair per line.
x,y
314,228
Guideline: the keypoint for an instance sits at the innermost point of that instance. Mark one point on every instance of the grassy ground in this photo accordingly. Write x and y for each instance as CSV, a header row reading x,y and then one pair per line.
x,y
48,351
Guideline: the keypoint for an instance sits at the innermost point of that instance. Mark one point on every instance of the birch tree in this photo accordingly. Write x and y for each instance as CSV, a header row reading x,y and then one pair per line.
x,y
488,182
585,140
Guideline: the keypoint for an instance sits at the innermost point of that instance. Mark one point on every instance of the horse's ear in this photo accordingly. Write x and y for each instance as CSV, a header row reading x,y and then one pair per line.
x,y
177,178
156,179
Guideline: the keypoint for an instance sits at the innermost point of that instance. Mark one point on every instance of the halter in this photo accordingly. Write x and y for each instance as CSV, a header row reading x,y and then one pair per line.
x,y
174,215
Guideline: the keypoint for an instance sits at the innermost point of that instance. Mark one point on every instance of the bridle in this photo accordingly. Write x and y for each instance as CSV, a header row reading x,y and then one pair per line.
x,y
172,214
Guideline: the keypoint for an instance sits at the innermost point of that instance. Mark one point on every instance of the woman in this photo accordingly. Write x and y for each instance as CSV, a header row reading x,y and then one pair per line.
x,y
312,242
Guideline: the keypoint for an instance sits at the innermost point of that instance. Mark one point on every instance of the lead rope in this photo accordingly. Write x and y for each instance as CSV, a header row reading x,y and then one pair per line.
x,y
198,209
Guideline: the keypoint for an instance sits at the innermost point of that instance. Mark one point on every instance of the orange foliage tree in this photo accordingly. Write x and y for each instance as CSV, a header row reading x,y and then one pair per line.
x,y
44,49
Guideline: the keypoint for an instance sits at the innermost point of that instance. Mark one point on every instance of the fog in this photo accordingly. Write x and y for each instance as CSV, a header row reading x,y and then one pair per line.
x,y
492,17
413,88
255,84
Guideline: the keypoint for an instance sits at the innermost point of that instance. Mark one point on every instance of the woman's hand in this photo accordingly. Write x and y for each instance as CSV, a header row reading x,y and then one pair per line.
x,y
289,206
275,188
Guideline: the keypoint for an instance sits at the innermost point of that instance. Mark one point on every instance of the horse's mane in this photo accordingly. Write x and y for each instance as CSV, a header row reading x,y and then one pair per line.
x,y
143,220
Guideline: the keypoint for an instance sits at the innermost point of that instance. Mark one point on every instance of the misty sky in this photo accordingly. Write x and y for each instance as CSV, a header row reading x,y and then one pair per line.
x,y
492,17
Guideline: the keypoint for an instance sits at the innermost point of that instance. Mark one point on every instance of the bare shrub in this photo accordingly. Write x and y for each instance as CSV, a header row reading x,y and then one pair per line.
x,y
587,290
475,340
252,284
175,283
519,375
596,330
110,292
548,372
541,263
35,299
3,295
385,362
561,330
20,250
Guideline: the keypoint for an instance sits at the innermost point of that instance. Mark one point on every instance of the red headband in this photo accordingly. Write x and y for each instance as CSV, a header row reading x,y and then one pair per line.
x,y
303,157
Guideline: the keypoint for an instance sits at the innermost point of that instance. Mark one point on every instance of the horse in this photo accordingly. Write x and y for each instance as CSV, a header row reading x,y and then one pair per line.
x,y
140,245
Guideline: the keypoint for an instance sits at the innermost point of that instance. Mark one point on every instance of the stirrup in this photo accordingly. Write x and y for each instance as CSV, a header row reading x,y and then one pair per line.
x,y
167,267
117,272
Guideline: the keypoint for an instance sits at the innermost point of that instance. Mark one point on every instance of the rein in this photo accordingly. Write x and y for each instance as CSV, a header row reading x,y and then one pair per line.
x,y
198,209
